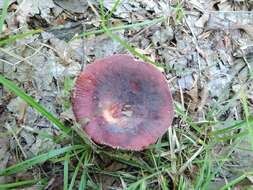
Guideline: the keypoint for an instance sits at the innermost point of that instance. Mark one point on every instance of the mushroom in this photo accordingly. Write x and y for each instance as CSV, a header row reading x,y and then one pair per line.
x,y
122,102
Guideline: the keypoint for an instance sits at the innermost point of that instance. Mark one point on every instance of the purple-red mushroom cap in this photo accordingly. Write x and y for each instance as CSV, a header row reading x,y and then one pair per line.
x,y
123,102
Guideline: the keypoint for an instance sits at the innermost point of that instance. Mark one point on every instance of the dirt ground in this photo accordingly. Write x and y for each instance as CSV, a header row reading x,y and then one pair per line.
x,y
207,50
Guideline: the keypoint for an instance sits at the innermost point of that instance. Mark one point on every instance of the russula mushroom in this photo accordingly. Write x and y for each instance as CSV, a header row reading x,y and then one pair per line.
x,y
122,102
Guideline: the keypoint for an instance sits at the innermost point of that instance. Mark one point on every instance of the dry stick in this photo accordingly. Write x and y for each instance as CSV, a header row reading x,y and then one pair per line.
x,y
35,49
7,62
190,160
247,63
16,138
172,151
50,47
28,57
181,96
15,56
160,176
93,9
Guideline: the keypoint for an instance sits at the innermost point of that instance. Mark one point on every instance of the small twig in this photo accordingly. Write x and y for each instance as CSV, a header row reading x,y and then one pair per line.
x,y
181,96
93,9
30,56
16,138
35,49
247,63
7,62
113,9
15,56
186,164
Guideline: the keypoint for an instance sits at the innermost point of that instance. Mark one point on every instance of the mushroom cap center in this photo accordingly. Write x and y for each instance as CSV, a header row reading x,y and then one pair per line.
x,y
117,113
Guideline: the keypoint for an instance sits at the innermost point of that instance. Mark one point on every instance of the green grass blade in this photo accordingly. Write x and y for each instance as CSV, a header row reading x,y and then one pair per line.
x,y
83,181
204,173
222,161
131,49
137,184
231,137
182,183
84,176
234,125
37,160
101,9
236,181
186,118
143,185
86,139
11,86
179,11
130,160
4,13
13,38
66,172
18,184
71,185
247,115
72,155
122,42
121,27
114,8
251,75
